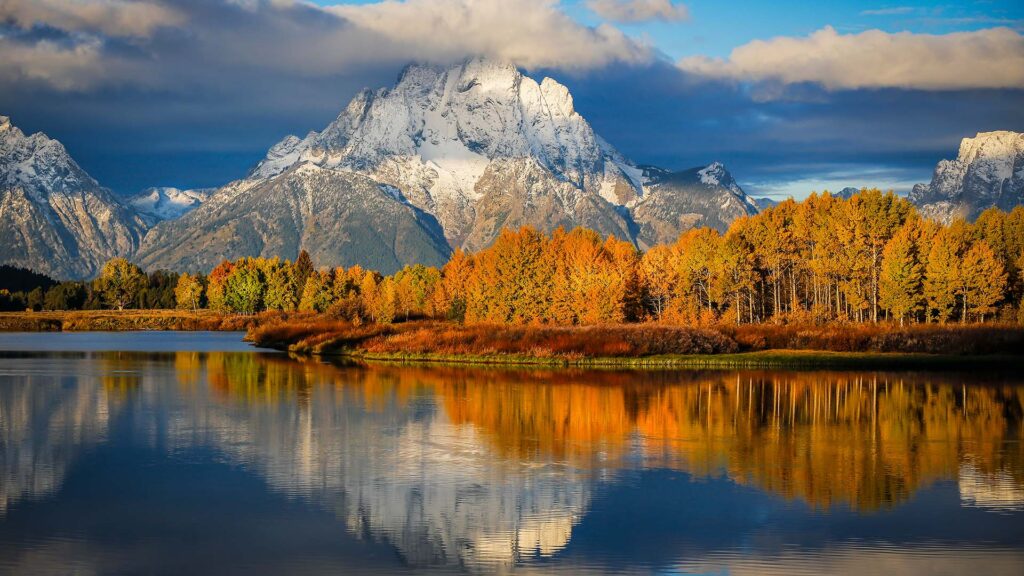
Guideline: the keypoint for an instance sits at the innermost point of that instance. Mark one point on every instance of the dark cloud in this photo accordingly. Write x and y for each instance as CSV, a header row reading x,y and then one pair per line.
x,y
197,103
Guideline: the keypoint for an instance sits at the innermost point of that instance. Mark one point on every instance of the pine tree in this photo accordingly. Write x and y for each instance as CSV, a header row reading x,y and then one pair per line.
x,y
302,269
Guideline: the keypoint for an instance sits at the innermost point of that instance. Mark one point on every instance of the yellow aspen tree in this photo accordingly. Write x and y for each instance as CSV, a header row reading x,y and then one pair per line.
x,y
984,281
902,275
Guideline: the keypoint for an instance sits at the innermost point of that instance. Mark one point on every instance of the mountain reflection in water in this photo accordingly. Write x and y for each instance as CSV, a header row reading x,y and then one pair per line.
x,y
501,470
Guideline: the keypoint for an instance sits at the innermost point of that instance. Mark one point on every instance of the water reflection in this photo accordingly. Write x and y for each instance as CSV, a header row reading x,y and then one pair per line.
x,y
495,470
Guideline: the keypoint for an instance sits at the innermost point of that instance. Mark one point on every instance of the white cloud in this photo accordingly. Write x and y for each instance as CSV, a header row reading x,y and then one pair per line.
x,y
79,67
214,41
110,17
629,11
991,58
530,33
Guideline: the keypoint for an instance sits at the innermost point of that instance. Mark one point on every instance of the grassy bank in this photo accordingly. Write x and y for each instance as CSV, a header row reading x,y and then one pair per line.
x,y
767,359
649,345
122,321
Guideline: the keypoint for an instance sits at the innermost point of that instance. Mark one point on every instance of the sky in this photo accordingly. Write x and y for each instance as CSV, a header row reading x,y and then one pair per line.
x,y
791,96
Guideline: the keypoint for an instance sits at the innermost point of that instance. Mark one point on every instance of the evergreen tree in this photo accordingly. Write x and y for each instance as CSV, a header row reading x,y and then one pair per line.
x,y
303,268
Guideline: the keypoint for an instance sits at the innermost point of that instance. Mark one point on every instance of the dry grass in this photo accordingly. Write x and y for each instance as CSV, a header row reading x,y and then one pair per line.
x,y
883,337
448,339
124,321
315,334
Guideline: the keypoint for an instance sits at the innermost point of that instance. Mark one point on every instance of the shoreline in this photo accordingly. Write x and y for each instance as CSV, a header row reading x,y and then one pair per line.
x,y
763,359
627,346
125,321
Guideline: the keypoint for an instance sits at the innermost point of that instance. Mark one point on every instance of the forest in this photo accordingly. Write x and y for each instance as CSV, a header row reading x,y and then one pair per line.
x,y
869,259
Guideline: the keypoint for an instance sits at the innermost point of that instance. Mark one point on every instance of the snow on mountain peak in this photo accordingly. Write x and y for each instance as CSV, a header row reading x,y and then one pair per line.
x,y
157,204
479,145
439,128
988,171
38,163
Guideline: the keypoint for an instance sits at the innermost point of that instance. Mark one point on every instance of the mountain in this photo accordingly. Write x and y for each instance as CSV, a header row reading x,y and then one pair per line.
x,y
54,218
341,218
464,151
673,202
988,172
159,204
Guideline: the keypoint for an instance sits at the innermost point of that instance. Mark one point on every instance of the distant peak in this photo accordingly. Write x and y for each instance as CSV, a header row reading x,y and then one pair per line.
x,y
5,122
715,174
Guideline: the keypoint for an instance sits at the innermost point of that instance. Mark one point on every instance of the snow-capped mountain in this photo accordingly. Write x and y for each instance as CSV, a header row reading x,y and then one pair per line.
x,y
159,204
477,147
987,172
674,202
55,218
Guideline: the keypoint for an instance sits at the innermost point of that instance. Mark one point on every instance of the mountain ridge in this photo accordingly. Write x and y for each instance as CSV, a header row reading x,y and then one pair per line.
x,y
54,217
987,172
479,146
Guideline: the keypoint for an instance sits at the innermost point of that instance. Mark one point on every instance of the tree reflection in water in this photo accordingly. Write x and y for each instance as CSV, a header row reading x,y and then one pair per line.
x,y
483,468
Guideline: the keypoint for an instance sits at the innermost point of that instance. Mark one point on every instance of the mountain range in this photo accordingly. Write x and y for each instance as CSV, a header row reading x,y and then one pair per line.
x,y
987,172
444,159
55,218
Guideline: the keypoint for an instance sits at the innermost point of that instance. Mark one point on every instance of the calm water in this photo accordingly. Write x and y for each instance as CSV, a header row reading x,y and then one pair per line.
x,y
217,459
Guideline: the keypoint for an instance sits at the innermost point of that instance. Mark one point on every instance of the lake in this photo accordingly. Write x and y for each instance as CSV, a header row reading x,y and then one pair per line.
x,y
192,453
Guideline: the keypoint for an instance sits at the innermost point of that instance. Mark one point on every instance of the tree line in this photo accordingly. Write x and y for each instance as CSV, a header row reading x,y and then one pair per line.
x,y
868,258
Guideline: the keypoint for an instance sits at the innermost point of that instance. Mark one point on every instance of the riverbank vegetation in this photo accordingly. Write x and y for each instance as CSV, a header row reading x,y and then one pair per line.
x,y
760,345
125,320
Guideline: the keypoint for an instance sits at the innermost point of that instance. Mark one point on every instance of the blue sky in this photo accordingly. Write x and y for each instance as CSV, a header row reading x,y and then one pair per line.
x,y
192,92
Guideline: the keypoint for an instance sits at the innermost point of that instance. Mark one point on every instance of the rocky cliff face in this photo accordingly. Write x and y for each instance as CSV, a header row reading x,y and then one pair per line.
x,y
54,218
678,201
478,147
988,172
340,217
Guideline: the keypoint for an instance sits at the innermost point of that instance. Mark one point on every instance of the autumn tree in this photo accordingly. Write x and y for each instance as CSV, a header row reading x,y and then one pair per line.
x,y
120,282
243,290
902,274
657,280
511,279
316,296
983,281
188,293
281,288
215,283
384,306
942,275
449,296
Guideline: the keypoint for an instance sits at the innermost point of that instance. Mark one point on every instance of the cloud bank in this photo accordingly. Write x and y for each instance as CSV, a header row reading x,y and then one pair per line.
x,y
87,45
633,11
985,59
111,17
